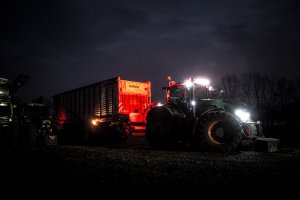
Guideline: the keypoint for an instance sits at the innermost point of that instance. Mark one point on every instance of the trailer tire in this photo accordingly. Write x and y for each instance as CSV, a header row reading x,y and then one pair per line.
x,y
219,132
122,133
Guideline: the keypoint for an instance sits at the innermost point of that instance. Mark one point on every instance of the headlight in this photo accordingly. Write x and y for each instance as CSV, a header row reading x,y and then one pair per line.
x,y
94,122
242,114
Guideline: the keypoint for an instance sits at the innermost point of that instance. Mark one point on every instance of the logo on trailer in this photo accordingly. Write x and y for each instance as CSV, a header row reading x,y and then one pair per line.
x,y
131,87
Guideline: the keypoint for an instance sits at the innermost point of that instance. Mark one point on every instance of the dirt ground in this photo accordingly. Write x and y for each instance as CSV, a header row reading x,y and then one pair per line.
x,y
136,171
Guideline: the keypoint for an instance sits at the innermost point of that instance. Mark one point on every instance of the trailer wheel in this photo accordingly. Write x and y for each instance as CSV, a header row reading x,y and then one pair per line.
x,y
219,132
122,133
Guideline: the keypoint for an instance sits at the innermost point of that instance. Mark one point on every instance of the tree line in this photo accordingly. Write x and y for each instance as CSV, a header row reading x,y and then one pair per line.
x,y
272,99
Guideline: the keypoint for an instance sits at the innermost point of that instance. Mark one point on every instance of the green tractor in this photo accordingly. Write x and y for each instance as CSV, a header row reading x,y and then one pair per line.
x,y
189,117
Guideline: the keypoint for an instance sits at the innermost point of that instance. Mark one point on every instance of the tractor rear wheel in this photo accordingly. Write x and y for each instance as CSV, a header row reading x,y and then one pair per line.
x,y
218,131
161,129
157,133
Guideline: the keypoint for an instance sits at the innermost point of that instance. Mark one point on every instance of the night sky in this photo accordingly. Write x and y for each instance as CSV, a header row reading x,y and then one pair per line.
x,y
64,44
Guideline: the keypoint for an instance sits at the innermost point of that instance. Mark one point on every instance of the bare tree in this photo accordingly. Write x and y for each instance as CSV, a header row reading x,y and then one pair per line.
x,y
269,96
231,86
246,88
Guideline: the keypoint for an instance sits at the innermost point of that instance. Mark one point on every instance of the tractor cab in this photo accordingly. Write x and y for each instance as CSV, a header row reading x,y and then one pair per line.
x,y
188,92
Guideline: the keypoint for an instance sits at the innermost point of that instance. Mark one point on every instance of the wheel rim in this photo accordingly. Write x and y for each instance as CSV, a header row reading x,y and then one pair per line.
x,y
216,133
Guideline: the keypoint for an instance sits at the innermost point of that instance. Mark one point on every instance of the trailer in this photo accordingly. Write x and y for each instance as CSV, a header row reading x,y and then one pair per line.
x,y
107,110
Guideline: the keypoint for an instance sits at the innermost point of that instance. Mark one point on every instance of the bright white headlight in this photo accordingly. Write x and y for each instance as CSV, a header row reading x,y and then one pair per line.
x,y
193,103
243,115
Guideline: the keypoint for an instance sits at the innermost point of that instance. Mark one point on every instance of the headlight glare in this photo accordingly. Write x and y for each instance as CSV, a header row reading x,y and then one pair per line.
x,y
242,114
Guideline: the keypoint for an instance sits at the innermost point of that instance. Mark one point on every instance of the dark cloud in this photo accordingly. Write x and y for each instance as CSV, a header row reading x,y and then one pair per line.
x,y
268,39
66,44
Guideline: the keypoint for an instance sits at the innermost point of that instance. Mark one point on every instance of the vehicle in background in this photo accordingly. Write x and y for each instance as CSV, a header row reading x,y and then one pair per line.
x,y
9,126
9,122
36,124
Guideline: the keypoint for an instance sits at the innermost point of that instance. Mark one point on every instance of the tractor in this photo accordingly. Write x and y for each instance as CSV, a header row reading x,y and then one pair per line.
x,y
190,117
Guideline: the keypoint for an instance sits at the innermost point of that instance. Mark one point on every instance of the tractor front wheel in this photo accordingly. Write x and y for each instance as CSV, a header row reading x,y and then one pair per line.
x,y
218,131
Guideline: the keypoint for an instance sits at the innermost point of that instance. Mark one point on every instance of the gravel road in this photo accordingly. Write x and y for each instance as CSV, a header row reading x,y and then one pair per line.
x,y
134,170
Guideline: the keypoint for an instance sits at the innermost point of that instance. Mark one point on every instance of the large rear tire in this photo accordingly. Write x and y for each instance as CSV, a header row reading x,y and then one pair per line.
x,y
219,132
162,129
157,133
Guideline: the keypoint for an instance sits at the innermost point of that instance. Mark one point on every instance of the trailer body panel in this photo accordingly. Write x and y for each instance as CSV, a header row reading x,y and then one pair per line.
x,y
105,101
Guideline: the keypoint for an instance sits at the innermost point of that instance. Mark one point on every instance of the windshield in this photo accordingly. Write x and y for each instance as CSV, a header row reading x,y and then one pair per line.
x,y
5,109
185,94
201,93
178,92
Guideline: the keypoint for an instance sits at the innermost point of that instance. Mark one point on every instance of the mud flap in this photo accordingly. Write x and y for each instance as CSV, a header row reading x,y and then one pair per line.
x,y
263,144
